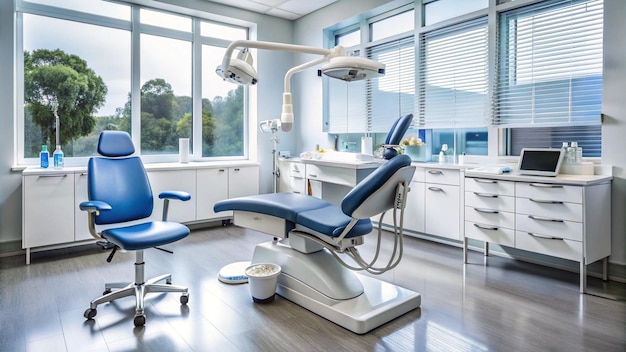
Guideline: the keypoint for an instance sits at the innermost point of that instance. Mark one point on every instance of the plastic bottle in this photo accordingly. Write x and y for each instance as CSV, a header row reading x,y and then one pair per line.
x,y
444,149
58,157
44,156
577,153
565,147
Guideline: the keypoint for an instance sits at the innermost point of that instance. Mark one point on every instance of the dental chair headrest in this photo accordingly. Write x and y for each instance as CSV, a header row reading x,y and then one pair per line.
x,y
380,183
115,144
398,129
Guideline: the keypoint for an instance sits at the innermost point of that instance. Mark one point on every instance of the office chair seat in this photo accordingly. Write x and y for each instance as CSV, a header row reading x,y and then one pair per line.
x,y
119,192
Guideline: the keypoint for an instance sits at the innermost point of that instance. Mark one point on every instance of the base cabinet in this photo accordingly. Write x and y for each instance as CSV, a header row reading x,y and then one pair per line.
x,y
50,199
570,221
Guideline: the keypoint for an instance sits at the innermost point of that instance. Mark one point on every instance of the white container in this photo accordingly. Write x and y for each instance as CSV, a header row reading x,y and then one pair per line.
x,y
183,150
263,280
367,146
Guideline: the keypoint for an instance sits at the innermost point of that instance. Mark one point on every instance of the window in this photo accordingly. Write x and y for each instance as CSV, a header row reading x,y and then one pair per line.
x,y
453,88
441,10
550,75
88,48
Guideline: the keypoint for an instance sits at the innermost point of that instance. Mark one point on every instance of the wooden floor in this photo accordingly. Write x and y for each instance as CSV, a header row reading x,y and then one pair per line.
x,y
492,304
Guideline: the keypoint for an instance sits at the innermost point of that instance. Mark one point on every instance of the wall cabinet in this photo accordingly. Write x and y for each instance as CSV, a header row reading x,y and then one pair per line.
x,y
50,198
564,218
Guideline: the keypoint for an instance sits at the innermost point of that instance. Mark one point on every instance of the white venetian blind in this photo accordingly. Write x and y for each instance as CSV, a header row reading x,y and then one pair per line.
x,y
550,65
347,112
392,95
453,87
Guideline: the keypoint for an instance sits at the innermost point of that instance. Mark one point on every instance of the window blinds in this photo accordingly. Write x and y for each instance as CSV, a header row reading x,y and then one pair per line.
x,y
453,66
550,65
392,95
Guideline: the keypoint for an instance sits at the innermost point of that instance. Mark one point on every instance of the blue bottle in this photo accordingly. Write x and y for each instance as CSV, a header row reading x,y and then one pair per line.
x,y
43,157
57,156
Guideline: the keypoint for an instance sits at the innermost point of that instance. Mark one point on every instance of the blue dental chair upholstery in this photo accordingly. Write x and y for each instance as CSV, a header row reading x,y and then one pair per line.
x,y
119,192
395,135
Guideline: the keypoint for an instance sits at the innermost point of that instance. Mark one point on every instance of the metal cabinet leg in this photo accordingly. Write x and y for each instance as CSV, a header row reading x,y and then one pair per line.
x,y
486,249
464,250
583,276
605,269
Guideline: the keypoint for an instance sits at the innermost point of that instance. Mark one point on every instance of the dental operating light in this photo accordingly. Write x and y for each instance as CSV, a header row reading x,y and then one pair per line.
x,y
337,65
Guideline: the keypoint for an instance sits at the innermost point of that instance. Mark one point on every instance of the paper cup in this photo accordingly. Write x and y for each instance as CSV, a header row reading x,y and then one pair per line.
x,y
263,280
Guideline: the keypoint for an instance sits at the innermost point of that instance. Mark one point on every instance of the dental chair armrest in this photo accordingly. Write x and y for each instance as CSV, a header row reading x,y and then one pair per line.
x,y
94,206
179,195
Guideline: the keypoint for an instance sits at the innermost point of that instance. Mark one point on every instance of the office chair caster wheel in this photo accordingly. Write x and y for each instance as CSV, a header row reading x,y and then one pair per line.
x,y
184,299
140,320
90,313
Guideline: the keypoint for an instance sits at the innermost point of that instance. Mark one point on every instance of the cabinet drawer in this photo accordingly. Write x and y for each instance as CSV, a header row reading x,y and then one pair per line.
x,y
340,176
562,248
297,170
484,185
550,209
442,211
490,201
543,226
490,217
549,192
298,185
442,176
500,235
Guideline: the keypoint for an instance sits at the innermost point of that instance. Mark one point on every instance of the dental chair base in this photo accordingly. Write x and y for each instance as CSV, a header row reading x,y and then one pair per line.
x,y
317,282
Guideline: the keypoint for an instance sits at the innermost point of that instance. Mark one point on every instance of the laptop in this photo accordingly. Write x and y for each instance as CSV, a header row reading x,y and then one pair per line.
x,y
540,161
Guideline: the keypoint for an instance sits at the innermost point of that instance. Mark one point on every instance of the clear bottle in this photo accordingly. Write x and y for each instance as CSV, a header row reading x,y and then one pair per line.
x,y
565,148
44,157
577,153
57,156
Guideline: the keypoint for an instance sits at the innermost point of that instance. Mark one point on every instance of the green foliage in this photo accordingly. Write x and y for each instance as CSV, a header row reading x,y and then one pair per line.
x,y
53,76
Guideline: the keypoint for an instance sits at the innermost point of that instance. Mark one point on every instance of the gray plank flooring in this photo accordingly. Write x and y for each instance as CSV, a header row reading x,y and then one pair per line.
x,y
491,304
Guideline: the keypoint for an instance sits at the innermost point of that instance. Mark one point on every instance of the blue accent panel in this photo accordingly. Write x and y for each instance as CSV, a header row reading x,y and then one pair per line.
x,y
124,185
179,195
373,182
115,144
94,205
146,235
398,129
282,205
331,222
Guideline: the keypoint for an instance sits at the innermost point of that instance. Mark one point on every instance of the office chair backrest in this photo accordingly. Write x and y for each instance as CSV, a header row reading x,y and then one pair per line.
x,y
377,192
119,180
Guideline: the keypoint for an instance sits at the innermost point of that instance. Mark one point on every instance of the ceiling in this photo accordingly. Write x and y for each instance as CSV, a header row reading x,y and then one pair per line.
x,y
288,9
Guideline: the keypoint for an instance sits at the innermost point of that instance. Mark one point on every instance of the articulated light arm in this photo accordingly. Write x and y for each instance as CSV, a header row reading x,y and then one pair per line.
x,y
348,68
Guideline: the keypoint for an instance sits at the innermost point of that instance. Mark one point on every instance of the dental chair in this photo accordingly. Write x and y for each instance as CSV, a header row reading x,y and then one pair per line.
x,y
315,244
119,192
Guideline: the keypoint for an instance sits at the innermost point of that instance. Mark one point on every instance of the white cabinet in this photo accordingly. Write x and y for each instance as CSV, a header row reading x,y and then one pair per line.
x,y
174,180
212,186
50,198
243,181
442,210
48,209
567,219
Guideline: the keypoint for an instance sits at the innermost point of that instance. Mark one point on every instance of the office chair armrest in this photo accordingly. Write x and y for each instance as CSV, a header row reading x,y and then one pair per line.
x,y
179,195
94,206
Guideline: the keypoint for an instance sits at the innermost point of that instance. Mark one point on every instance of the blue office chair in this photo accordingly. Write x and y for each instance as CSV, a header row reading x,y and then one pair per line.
x,y
119,191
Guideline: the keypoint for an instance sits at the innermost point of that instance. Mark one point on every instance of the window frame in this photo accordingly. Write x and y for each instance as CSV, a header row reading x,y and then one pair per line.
x,y
194,37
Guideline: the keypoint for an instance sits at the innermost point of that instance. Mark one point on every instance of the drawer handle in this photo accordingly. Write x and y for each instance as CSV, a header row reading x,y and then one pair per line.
x,y
546,201
237,169
543,185
540,218
483,227
486,195
482,180
487,211
313,175
435,172
221,170
57,175
546,237
295,171
436,189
